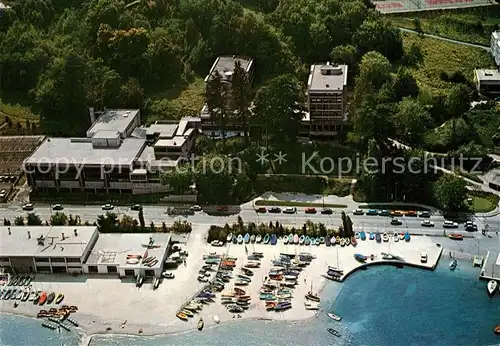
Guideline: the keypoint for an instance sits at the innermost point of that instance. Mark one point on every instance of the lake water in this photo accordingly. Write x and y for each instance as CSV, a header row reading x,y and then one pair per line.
x,y
379,306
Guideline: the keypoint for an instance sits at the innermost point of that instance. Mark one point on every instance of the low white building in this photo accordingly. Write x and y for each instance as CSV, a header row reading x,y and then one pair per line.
x,y
495,46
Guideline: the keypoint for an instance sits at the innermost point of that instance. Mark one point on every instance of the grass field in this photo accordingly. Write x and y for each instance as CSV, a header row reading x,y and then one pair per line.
x,y
441,56
472,25
481,205
17,112
263,202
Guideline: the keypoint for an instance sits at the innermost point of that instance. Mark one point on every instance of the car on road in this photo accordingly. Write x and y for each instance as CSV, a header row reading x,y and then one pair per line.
x,y
424,213
290,210
136,207
423,257
411,213
310,210
450,224
372,212
358,212
261,210
397,213
57,207
3,194
396,222
28,206
217,243
384,213
326,211
470,226
168,275
275,210
427,223
196,208
222,208
108,207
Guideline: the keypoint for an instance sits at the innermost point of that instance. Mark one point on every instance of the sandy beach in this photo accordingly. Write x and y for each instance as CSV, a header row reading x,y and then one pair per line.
x,y
110,305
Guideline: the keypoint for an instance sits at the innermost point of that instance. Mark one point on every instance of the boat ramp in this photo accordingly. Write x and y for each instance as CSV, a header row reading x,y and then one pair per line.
x,y
491,267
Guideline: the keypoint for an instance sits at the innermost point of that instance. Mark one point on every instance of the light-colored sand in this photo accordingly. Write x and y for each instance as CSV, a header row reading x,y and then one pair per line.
x,y
107,302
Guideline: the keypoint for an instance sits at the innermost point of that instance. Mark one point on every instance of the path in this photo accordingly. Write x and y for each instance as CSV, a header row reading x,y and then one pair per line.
x,y
446,39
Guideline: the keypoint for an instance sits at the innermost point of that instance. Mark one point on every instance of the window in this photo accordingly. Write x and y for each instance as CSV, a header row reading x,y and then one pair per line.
x,y
4,259
93,269
57,260
73,260
150,273
59,270
42,259
129,272
112,269
43,269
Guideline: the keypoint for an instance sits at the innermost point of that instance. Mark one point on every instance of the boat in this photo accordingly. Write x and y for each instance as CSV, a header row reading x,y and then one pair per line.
x,y
35,299
274,239
362,235
378,238
235,240
360,258
328,241
229,237
139,280
49,325
182,316
354,242
132,261
492,286
25,296
42,299
347,242
252,238
50,298
295,238
28,281
342,242
302,238
334,317
156,282
356,235
312,297
456,236
285,240
322,240
186,312
246,238
385,237
401,236
290,238
201,324
216,319
311,306
333,332
283,306
372,235
307,241
496,330
59,298
333,240
407,236
258,239
453,264
267,238
239,239
396,237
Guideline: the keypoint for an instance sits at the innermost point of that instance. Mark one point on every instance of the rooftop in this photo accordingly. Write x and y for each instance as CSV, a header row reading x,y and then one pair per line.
x,y
113,119
326,77
19,244
488,75
107,134
149,160
81,152
113,248
226,63
164,130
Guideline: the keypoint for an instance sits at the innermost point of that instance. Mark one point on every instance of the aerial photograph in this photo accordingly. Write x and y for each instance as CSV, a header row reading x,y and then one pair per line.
x,y
249,172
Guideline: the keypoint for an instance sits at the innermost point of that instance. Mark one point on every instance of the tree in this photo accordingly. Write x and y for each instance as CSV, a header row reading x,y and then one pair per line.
x,y
374,71
128,224
240,95
33,220
19,221
458,100
216,95
379,35
58,219
152,226
344,54
278,108
450,192
108,223
179,179
405,84
141,219
411,120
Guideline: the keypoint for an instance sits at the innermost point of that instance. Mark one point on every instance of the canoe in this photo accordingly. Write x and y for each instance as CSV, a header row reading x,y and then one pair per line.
x,y
258,239
200,324
328,241
333,240
295,238
182,316
252,238
240,239
307,241
51,297
274,239
334,317
229,237
267,238
302,239
216,319
42,299
246,239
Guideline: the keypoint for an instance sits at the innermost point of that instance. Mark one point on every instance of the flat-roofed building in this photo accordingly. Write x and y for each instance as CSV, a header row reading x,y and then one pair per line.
x,y
122,254
488,82
46,249
495,46
123,121
326,99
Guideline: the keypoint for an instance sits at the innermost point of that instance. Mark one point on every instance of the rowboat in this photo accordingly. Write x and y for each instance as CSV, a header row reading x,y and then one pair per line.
x,y
492,286
274,239
188,313
353,241
295,238
407,236
372,235
333,240
302,238
267,238
42,299
182,316
401,236
322,240
359,257
229,237
258,239
362,235
333,332
385,237
378,237
246,239
307,241
59,298
334,317
395,236
328,241
50,298
337,240
216,319
252,238
240,239
290,238
285,240
200,324
342,242
347,242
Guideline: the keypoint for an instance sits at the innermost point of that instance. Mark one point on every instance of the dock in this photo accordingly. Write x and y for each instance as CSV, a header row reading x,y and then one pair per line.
x,y
491,267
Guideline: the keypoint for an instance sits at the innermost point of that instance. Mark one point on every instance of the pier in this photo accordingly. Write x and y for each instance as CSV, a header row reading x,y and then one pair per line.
x,y
491,267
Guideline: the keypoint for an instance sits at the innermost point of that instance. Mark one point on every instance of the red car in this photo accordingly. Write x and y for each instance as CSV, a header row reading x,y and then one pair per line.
x,y
310,210
222,208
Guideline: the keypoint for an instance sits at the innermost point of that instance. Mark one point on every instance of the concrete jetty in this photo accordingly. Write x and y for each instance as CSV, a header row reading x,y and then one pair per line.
x,y
491,267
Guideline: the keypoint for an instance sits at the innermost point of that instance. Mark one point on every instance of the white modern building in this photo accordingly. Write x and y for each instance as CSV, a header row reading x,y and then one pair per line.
x,y
495,46
488,82
46,249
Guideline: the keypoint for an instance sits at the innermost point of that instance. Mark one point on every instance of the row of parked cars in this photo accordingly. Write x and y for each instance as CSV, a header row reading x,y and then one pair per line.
x,y
375,212
293,210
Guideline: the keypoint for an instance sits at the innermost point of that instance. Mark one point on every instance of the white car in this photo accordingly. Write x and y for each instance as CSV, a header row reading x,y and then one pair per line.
x,y
423,257
217,243
108,207
450,224
427,223
28,206
290,210
168,275
196,208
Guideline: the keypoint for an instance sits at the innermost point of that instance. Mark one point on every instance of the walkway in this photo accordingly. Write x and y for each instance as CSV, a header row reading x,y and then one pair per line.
x,y
446,39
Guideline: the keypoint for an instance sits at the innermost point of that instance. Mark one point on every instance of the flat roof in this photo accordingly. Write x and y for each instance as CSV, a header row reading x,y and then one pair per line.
x,y
148,159
106,134
81,152
176,142
488,75
226,64
323,82
113,248
114,119
164,130
17,244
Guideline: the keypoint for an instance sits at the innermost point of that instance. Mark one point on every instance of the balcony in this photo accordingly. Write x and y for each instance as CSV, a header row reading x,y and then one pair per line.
x,y
45,183
120,185
94,184
71,184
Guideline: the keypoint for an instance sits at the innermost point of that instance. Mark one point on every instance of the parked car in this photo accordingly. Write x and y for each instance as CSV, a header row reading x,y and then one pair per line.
x,y
136,207
217,243
28,207
326,211
275,210
470,226
424,213
411,213
57,207
384,213
397,213
450,224
427,223
261,210
358,212
108,207
423,257
196,208
290,210
310,210
168,275
396,222
3,194
372,212
222,208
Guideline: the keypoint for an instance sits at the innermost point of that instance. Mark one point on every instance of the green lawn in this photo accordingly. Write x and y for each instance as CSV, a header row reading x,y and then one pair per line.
x,y
441,56
472,25
481,204
262,202
17,112
394,206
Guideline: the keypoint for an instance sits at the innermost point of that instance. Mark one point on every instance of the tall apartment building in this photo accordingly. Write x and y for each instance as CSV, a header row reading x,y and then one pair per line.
x,y
326,94
495,46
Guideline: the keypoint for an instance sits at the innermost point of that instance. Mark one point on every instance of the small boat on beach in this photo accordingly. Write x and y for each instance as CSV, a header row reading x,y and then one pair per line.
x,y
385,237
378,237
274,239
311,306
333,332
42,299
407,236
401,236
285,240
334,317
333,240
307,241
229,237
302,238
188,313
201,324
59,298
290,238
182,316
362,235
258,239
396,237
347,242
296,238
322,240
312,297
252,238
342,242
491,287
496,330
360,258
267,238
240,239
216,319
354,242
453,264
51,297
356,235
328,241
246,239
372,235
